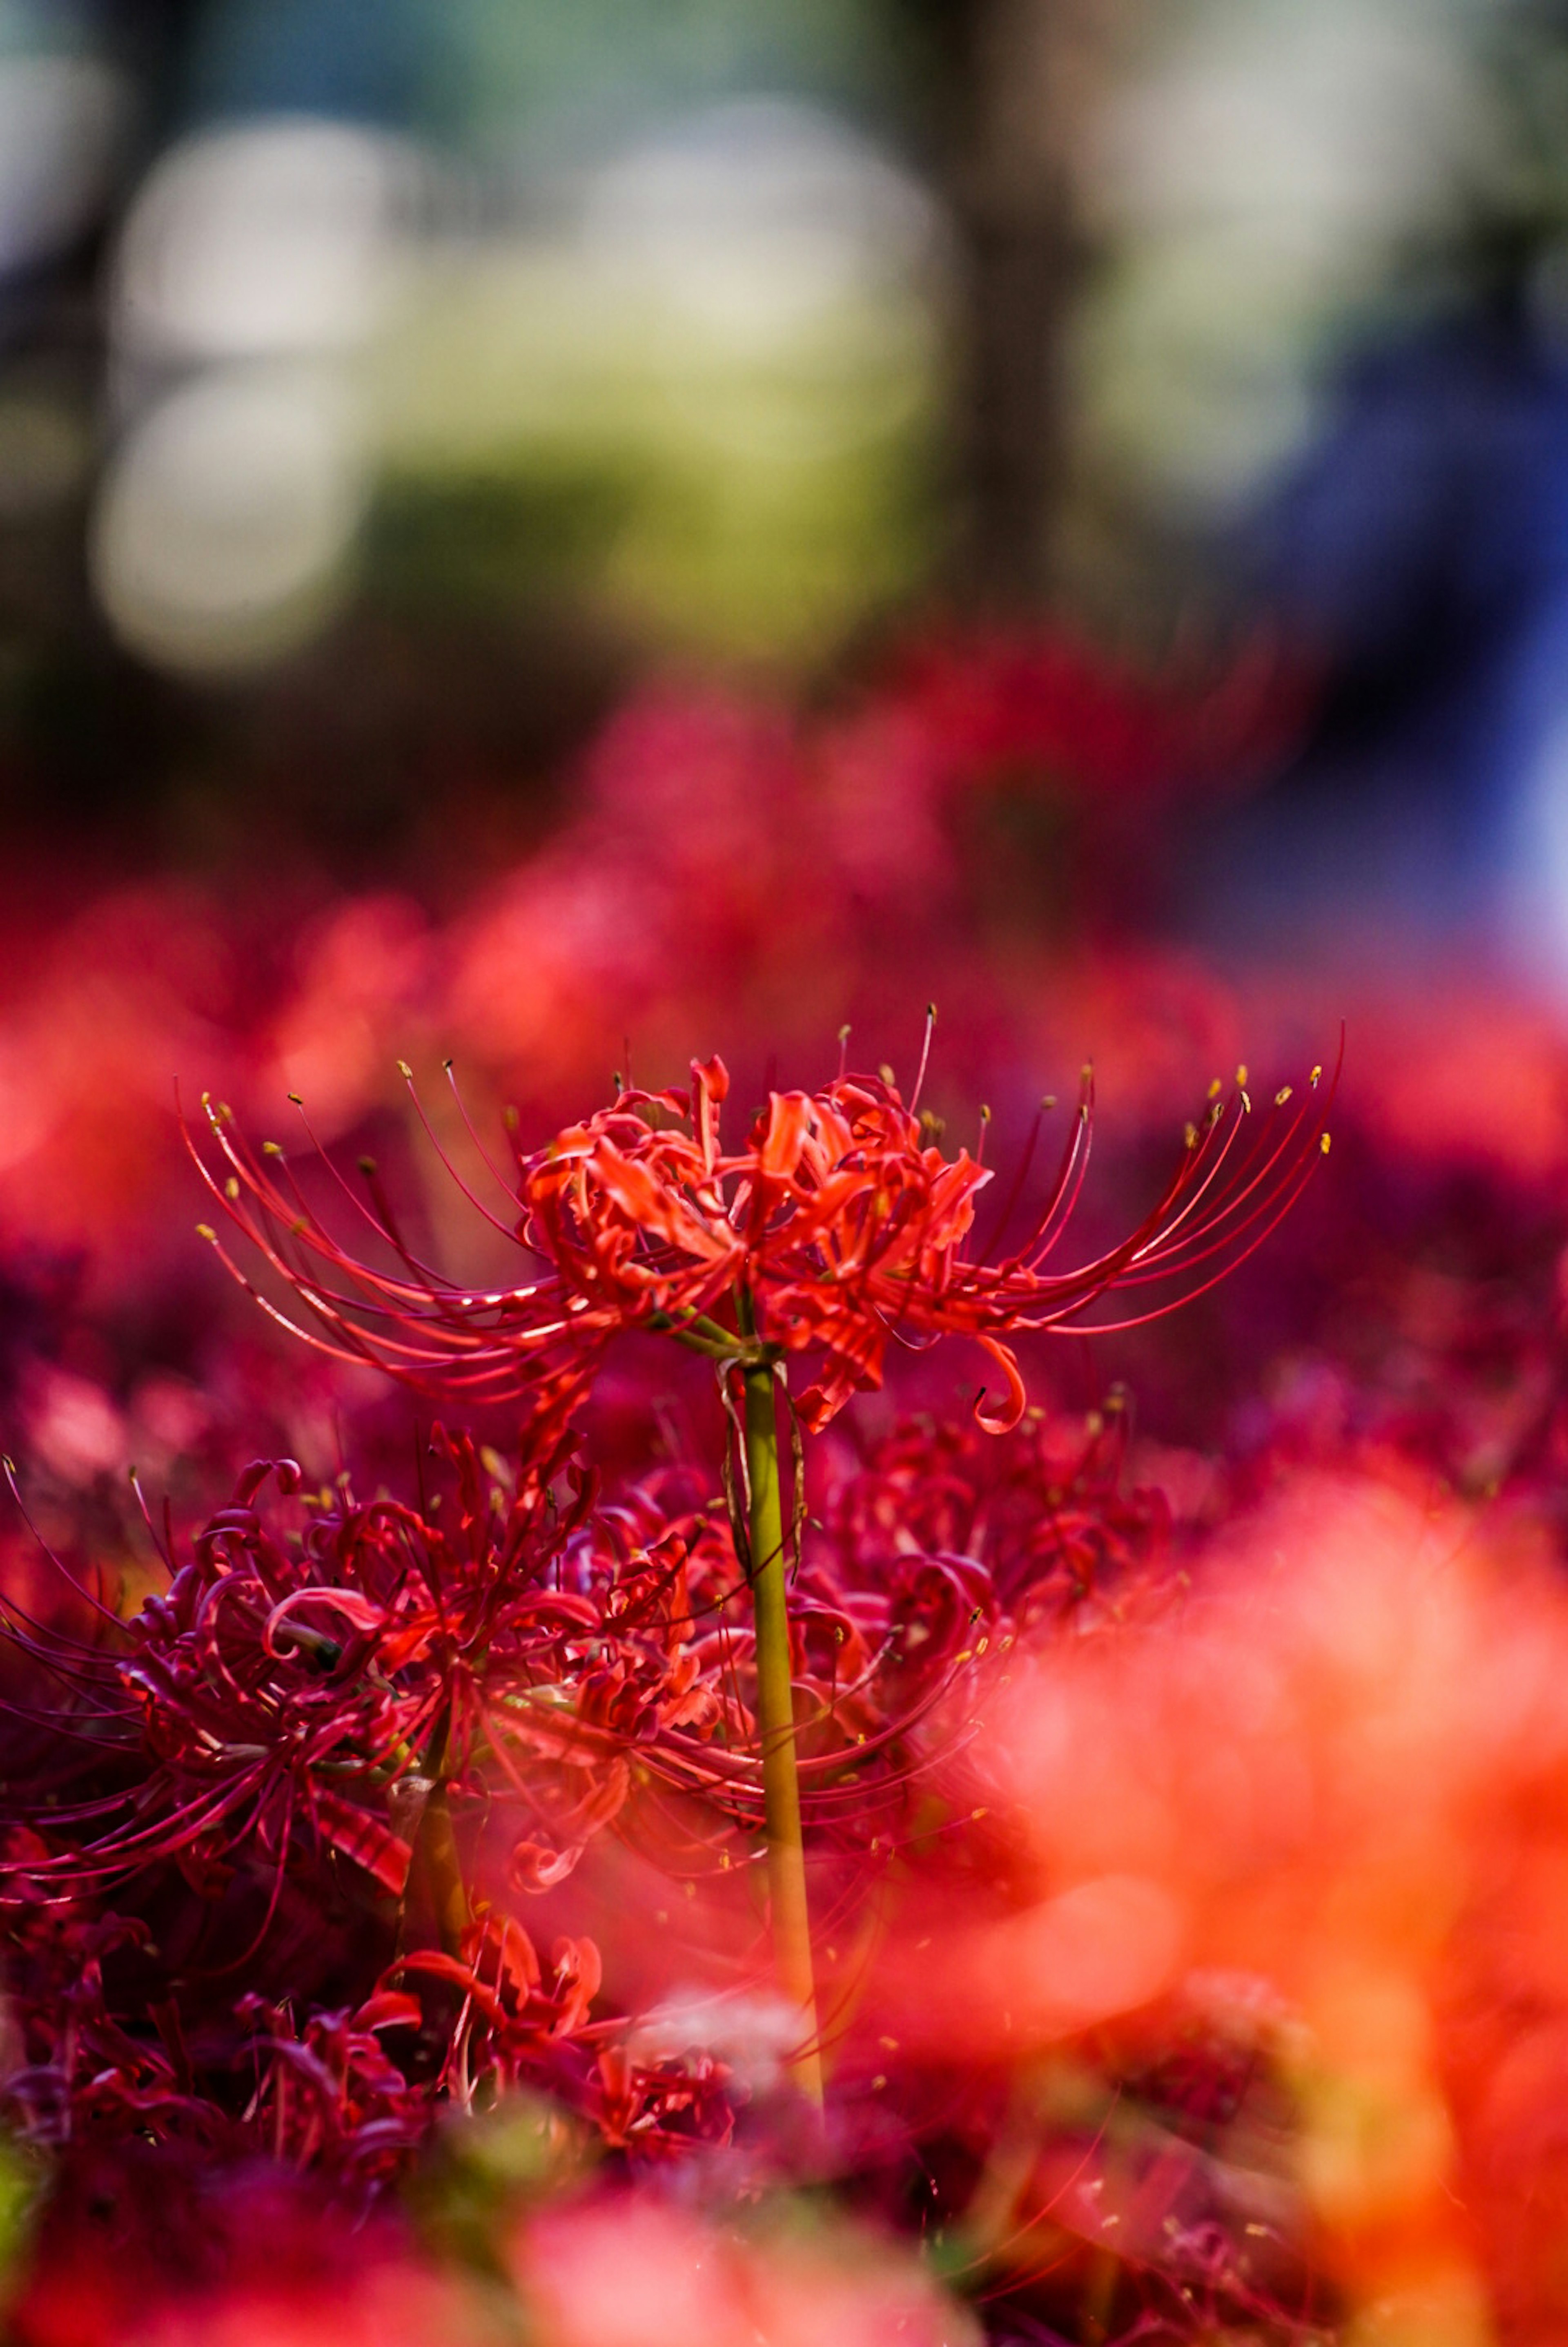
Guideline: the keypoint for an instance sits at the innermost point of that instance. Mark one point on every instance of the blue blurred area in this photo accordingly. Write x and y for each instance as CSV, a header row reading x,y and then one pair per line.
x,y
365,60
1419,551
491,74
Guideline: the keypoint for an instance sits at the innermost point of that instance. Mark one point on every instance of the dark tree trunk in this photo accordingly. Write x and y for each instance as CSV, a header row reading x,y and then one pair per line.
x,y
1011,84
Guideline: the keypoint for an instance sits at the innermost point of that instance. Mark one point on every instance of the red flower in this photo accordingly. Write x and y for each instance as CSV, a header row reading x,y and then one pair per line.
x,y
839,1227
251,1758
284,1699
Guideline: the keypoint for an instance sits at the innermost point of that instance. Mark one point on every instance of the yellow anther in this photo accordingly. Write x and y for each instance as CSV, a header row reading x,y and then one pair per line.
x,y
1241,1074
1317,1074
1323,1144
1216,1088
231,1187
1281,1096
405,1071
206,1231
1191,1134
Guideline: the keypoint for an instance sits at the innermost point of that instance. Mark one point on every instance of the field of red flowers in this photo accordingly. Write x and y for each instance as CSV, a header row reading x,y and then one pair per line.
x,y
673,1671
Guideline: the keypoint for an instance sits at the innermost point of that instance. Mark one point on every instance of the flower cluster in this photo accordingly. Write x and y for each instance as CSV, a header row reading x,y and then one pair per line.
x,y
838,1230
384,1916
263,1761
285,1768
1180,1964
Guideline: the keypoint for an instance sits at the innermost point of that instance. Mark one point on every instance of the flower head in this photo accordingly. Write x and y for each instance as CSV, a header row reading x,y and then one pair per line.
x,y
265,1758
285,1702
836,1229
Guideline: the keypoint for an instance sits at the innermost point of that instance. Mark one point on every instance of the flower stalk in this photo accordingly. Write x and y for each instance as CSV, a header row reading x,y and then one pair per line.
x,y
790,1913
436,1862
836,1231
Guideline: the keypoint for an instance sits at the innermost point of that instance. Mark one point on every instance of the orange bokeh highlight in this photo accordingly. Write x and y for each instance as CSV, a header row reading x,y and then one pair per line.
x,y
1327,1785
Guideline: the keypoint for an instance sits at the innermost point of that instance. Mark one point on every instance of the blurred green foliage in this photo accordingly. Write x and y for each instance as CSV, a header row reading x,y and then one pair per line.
x,y
485,2170
544,430
20,2185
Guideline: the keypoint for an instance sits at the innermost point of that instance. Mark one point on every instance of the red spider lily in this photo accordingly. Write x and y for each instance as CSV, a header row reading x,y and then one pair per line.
x,y
276,1731
837,1229
334,2088
1044,1512
323,2094
286,1697
269,1719
937,1551
276,1707
520,2026
265,1732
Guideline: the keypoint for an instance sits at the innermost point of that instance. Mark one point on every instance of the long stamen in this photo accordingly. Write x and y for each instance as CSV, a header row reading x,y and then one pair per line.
x,y
925,1057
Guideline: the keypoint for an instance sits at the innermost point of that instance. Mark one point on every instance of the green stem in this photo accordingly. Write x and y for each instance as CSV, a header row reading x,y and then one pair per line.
x,y
776,1721
702,1334
444,1871
435,1854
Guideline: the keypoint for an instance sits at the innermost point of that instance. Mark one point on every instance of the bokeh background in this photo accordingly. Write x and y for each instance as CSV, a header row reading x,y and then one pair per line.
x,y
386,390
538,535
560,538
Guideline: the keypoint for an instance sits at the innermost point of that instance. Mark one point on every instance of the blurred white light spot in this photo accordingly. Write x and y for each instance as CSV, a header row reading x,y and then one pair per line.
x,y
1257,181
225,523
274,239
1340,116
62,121
753,2035
759,217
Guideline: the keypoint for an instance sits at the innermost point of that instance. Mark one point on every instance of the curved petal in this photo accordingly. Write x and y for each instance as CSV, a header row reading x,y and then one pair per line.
x,y
1005,1418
